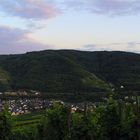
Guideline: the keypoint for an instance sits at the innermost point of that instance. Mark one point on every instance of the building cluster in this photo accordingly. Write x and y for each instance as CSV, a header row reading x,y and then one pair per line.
x,y
24,106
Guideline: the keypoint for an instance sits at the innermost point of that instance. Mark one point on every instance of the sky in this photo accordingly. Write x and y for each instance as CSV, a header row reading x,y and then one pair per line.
x,y
89,25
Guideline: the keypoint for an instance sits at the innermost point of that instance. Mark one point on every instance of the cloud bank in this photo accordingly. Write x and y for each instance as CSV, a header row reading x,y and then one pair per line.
x,y
29,9
133,46
106,7
14,40
45,9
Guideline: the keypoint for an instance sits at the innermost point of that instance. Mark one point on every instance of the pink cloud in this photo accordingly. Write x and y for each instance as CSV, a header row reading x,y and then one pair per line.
x,y
14,40
29,9
45,9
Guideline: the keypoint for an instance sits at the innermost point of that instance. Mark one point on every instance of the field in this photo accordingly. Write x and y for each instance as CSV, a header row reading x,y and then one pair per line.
x,y
27,121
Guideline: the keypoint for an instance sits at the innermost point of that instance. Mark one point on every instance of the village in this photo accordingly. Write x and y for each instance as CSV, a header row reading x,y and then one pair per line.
x,y
25,105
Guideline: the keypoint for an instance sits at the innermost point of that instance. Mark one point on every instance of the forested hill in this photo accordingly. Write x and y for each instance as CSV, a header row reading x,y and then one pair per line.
x,y
70,71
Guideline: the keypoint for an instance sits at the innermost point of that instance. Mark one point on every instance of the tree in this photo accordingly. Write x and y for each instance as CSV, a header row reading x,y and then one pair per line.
x,y
110,121
54,125
5,124
79,128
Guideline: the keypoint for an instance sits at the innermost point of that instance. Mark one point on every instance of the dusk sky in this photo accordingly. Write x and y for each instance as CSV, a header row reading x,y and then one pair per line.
x,y
92,25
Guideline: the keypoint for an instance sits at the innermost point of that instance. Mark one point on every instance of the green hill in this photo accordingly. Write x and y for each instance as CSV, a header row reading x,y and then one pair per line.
x,y
72,71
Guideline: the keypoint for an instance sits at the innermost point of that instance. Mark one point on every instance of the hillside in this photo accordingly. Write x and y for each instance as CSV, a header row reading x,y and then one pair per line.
x,y
71,71
4,79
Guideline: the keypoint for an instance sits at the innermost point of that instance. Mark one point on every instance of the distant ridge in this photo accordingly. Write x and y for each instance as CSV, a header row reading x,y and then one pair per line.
x,y
70,71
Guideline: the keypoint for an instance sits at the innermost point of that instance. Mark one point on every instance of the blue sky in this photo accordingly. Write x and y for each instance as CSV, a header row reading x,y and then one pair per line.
x,y
93,25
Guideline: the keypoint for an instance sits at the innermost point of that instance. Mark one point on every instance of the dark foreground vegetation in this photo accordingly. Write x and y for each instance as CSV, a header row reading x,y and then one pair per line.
x,y
113,120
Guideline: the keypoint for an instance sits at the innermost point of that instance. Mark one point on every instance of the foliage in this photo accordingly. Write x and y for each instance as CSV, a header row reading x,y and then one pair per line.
x,y
5,124
115,120
54,124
